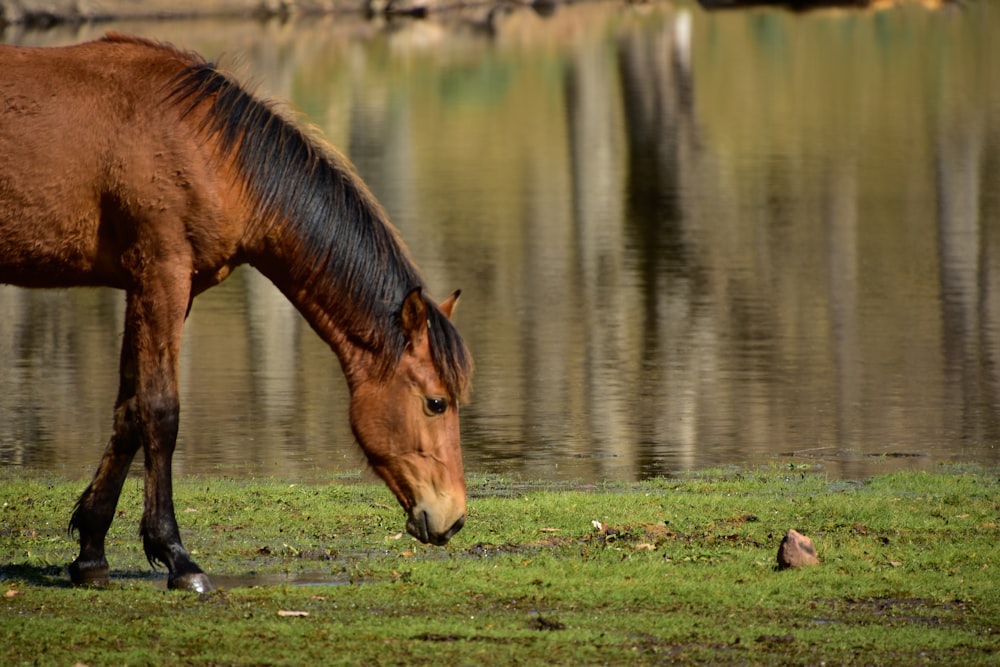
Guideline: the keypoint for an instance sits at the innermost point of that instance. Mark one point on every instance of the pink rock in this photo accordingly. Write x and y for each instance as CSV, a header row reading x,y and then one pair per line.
x,y
796,550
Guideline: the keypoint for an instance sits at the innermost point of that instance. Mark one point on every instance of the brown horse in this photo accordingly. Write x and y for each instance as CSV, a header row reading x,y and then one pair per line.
x,y
130,164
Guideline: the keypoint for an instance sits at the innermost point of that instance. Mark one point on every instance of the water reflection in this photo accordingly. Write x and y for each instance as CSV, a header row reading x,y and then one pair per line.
x,y
684,239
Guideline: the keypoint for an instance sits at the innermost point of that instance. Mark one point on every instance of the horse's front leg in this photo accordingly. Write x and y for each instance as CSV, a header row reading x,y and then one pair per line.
x,y
160,534
154,320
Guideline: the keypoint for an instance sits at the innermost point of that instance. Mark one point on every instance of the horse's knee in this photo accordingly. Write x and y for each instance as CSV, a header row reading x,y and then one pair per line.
x,y
163,419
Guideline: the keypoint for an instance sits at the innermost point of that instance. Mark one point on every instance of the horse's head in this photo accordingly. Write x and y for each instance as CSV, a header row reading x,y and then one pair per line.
x,y
407,424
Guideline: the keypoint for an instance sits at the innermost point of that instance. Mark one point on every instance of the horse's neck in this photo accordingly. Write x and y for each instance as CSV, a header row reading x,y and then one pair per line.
x,y
335,256
313,296
327,321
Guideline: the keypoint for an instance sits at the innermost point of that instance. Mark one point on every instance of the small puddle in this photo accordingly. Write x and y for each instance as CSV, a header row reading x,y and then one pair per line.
x,y
225,582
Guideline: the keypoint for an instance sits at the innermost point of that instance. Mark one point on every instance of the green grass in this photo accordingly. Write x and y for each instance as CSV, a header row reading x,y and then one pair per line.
x,y
682,571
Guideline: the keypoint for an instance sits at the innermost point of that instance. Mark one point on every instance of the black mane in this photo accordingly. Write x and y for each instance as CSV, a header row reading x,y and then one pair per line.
x,y
334,235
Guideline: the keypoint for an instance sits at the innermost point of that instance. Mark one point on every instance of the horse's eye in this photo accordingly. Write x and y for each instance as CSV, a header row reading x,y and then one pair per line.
x,y
436,406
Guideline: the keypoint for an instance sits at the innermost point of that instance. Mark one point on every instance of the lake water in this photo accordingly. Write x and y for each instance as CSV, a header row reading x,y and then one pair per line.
x,y
684,239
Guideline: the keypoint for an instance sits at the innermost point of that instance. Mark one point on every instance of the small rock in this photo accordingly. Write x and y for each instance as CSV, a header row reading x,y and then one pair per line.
x,y
796,550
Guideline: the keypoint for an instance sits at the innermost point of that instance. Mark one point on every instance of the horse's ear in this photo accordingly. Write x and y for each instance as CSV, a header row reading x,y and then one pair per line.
x,y
413,316
448,305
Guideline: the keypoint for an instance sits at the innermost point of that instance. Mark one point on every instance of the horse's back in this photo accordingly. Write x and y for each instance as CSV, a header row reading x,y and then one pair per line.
x,y
81,130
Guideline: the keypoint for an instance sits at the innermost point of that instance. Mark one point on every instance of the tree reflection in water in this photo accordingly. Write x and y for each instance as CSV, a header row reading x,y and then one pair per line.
x,y
685,239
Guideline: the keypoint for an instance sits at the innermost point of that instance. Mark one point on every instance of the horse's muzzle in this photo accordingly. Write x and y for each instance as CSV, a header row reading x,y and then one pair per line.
x,y
419,526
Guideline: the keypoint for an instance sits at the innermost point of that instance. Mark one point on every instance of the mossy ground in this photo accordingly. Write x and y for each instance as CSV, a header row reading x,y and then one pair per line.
x,y
673,571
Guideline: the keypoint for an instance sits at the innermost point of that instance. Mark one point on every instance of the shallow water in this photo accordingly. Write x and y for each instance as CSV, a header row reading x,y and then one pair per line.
x,y
684,239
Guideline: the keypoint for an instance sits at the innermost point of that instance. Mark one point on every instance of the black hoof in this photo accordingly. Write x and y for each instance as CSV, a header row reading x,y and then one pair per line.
x,y
196,582
89,573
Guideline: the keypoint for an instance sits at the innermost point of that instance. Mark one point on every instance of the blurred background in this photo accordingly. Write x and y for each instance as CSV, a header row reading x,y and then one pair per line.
x,y
685,238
